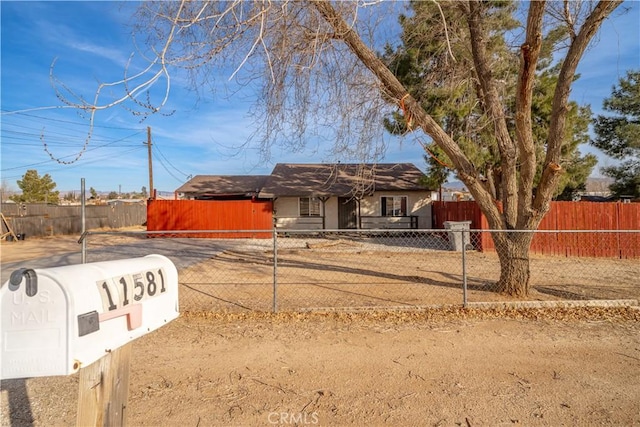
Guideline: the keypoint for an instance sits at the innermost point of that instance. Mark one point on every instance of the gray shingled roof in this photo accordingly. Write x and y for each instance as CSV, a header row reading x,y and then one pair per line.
x,y
340,179
224,185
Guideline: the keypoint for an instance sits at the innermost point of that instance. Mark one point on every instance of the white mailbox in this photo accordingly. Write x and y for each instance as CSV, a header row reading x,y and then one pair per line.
x,y
55,321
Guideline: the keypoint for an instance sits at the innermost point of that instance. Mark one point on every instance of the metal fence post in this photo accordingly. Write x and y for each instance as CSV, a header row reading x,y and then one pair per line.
x,y
464,269
84,221
275,270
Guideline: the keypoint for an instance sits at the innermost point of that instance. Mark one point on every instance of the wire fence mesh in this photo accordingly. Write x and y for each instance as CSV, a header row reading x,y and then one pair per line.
x,y
563,265
267,270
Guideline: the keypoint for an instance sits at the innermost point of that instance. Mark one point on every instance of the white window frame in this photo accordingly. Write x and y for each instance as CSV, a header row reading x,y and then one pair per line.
x,y
314,207
396,201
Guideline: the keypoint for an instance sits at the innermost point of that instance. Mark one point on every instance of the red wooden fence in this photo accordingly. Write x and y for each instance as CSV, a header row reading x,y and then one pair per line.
x,y
211,215
464,211
561,216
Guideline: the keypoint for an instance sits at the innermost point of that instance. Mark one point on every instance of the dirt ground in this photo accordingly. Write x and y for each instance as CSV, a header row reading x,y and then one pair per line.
x,y
443,367
308,279
22,250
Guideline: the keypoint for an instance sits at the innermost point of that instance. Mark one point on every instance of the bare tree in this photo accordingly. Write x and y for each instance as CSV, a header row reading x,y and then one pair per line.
x,y
315,66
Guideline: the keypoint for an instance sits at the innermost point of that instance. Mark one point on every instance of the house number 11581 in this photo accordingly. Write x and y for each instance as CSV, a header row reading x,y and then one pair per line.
x,y
120,291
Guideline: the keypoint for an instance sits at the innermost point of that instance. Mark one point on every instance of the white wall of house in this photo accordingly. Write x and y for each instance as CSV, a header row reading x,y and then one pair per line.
x,y
286,207
331,213
287,215
419,205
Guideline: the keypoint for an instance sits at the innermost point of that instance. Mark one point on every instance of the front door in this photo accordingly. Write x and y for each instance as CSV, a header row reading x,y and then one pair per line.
x,y
347,213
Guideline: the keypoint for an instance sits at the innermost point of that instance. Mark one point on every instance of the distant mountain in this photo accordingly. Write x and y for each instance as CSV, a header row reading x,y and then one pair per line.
x,y
454,185
599,185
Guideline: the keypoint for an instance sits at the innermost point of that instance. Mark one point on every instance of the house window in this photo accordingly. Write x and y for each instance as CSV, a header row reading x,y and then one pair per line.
x,y
309,206
394,205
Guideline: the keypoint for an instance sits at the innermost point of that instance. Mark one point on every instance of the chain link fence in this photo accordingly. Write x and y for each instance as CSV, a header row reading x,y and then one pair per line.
x,y
267,270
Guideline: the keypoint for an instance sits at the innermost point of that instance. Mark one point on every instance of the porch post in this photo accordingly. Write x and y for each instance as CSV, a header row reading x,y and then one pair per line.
x,y
323,200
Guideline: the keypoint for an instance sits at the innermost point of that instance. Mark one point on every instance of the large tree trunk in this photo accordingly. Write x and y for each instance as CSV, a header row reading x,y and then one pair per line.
x,y
513,252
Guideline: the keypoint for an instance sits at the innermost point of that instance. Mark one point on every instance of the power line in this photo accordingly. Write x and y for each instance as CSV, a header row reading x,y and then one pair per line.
x,y
167,160
110,144
165,168
51,136
76,165
56,133
66,121
29,142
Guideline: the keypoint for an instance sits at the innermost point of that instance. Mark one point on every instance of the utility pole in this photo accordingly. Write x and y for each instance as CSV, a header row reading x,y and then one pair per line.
x,y
150,163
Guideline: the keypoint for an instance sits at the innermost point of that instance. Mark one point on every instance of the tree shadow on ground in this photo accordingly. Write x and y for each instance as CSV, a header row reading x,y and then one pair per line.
x,y
217,298
449,281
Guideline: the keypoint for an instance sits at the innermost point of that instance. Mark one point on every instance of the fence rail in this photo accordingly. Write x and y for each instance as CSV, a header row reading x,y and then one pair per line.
x,y
354,269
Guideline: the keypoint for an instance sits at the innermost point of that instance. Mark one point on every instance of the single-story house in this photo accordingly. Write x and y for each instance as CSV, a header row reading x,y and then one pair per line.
x,y
337,196
328,196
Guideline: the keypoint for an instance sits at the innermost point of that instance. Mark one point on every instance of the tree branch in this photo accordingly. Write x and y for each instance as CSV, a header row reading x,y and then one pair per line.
x,y
392,86
494,108
529,53
552,168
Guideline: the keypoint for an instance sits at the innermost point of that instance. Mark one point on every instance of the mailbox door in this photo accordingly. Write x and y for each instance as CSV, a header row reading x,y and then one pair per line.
x,y
34,330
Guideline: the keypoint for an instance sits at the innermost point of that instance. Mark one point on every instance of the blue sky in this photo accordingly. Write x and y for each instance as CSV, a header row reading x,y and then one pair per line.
x,y
92,44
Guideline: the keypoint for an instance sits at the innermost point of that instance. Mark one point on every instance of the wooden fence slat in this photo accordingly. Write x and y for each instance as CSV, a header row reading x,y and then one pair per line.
x,y
562,216
228,215
39,220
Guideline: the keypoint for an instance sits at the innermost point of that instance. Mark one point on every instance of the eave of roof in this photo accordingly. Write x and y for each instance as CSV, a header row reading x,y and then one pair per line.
x,y
224,184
